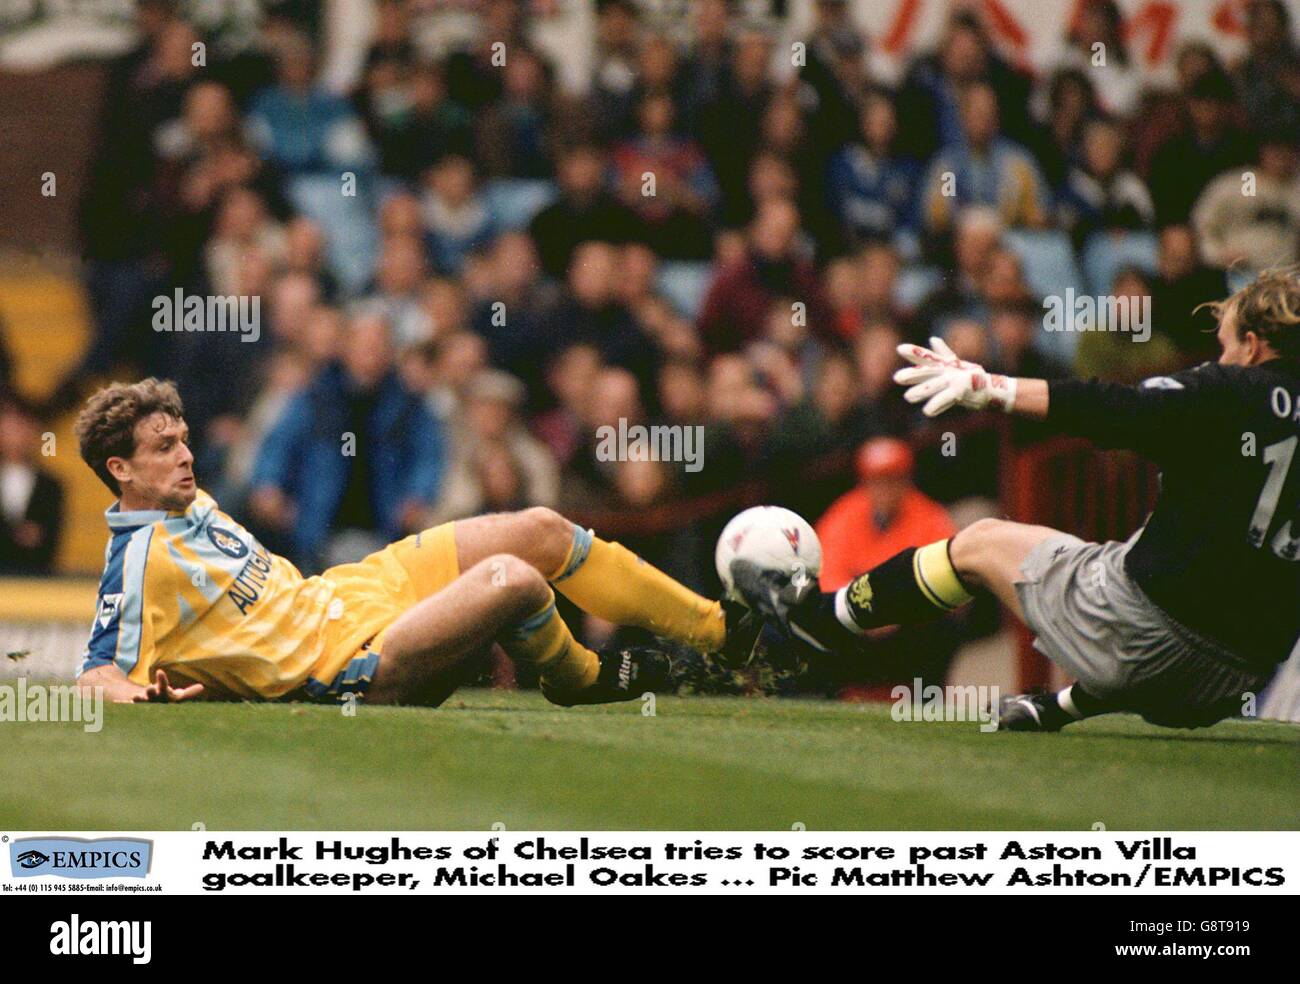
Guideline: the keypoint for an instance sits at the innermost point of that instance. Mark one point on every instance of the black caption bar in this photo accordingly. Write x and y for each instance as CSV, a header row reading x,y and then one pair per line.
x,y
137,934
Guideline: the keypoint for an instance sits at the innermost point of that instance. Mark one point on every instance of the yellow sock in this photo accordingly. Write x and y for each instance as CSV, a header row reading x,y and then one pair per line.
x,y
609,581
935,576
545,641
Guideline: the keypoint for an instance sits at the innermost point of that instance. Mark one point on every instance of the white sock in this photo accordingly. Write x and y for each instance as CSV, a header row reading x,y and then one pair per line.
x,y
1067,703
842,613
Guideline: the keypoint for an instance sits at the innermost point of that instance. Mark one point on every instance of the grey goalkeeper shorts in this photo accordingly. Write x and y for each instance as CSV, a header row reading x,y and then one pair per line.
x,y
1093,621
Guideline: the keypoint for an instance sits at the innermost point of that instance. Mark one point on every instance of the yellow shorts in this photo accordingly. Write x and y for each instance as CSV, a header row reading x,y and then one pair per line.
x,y
369,596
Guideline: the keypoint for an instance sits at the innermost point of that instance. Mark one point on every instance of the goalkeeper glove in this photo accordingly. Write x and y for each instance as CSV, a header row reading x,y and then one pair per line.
x,y
943,380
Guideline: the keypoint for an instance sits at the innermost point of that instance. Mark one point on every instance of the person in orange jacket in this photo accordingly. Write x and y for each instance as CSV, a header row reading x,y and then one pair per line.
x,y
884,514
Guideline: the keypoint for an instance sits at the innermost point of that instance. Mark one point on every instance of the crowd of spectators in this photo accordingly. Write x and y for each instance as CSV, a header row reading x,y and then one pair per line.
x,y
468,271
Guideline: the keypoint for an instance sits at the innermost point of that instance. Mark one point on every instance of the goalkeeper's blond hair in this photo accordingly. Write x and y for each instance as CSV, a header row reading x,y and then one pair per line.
x,y
1270,307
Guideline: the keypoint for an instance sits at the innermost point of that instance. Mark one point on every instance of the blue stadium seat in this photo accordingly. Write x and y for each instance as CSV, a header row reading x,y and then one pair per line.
x,y
684,284
914,283
1050,267
513,202
347,222
1105,254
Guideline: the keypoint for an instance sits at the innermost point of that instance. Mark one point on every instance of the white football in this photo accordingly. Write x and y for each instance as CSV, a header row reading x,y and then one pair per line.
x,y
772,538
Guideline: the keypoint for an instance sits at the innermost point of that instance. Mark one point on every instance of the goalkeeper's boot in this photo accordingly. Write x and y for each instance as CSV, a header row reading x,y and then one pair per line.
x,y
774,595
796,612
626,672
1032,712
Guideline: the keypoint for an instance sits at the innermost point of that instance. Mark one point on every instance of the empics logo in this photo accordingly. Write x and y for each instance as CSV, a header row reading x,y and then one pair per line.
x,y
31,859
72,857
74,938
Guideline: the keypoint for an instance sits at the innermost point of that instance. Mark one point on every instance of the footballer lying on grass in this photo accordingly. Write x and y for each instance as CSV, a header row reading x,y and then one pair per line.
x,y
190,603
1190,615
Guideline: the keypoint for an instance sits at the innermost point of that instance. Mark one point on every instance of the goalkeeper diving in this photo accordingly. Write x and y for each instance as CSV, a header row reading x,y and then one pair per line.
x,y
1185,621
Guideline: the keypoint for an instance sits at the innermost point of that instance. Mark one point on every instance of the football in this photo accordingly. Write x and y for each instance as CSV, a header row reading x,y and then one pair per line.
x,y
772,538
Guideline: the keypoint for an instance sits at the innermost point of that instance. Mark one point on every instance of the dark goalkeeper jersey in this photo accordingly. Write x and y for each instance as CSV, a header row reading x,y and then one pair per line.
x,y
1220,552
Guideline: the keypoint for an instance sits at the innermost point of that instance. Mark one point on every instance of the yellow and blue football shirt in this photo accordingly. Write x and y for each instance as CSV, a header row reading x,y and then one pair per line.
x,y
195,593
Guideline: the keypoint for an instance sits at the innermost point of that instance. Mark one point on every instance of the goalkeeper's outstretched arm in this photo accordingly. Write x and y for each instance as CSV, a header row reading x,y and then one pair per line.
x,y
943,381
1165,417
1031,399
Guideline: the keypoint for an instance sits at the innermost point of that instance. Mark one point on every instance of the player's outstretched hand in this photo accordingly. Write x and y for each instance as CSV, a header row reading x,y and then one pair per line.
x,y
941,379
162,692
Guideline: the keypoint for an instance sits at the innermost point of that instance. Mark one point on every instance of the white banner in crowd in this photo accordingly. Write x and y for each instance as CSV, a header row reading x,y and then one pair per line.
x,y
1032,32
204,862
37,33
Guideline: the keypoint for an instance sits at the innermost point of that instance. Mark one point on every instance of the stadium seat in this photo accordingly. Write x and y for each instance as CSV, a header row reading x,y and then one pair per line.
x,y
1105,254
513,202
914,284
1050,268
347,223
684,285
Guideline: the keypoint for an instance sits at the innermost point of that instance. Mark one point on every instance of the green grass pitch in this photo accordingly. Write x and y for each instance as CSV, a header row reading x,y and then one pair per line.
x,y
699,763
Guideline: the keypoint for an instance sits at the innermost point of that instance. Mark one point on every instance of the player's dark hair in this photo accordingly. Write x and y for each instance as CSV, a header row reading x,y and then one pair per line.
x,y
105,427
1270,307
